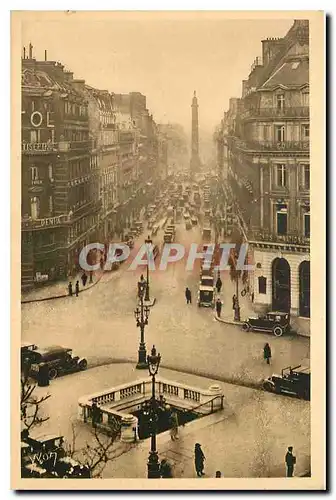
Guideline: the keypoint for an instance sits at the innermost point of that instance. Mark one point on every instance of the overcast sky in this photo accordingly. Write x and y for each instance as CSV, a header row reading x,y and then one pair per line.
x,y
164,59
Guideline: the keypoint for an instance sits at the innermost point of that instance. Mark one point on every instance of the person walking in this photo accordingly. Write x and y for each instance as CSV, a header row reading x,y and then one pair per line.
x,y
77,288
267,353
219,307
188,295
290,460
199,460
234,301
219,284
165,469
174,426
84,278
70,289
91,277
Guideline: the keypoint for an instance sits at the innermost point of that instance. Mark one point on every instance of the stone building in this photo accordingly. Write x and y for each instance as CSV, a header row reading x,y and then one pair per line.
x,y
60,202
268,161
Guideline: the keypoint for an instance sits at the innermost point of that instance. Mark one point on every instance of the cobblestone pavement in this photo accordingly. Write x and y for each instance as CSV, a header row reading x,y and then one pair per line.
x,y
247,439
100,325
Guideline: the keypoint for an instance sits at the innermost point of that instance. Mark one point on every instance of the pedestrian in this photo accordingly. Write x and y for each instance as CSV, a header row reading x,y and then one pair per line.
x,y
101,262
199,460
165,469
91,277
188,295
267,353
70,289
174,423
219,307
84,278
219,284
290,460
252,297
234,301
218,473
77,288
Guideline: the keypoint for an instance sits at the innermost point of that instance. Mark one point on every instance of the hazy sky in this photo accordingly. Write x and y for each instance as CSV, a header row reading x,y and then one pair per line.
x,y
165,59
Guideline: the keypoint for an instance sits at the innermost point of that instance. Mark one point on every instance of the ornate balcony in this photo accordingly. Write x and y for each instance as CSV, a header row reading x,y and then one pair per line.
x,y
45,148
290,242
274,112
272,145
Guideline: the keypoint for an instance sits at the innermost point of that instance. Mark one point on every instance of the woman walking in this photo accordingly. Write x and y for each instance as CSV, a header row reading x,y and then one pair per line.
x,y
267,353
199,460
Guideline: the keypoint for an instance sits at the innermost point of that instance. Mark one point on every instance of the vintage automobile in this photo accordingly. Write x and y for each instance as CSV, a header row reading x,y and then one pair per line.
x,y
188,224
59,361
194,221
274,322
206,235
294,381
206,296
168,237
28,350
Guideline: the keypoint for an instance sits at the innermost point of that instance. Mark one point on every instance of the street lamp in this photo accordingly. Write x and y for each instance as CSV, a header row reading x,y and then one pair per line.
x,y
148,243
153,466
141,316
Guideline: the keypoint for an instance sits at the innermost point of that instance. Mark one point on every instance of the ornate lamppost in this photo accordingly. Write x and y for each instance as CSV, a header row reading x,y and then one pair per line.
x,y
141,314
153,465
148,243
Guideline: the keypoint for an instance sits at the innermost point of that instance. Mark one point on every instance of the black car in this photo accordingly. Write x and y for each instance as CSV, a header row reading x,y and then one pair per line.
x,y
59,361
294,381
274,322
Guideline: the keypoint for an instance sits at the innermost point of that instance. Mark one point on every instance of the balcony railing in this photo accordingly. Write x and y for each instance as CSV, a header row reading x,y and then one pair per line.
x,y
267,237
42,148
272,145
274,112
29,223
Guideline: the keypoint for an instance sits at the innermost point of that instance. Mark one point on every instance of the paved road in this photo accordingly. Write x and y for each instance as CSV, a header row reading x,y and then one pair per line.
x,y
100,325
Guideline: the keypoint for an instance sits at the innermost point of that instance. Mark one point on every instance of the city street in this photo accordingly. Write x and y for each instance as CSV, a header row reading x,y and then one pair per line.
x,y
100,325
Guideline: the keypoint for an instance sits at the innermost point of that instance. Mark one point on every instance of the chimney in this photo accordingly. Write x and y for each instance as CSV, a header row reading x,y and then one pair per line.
x,y
24,52
30,51
45,56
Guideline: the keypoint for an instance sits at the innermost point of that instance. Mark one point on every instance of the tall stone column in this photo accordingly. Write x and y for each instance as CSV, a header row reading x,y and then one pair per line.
x,y
195,161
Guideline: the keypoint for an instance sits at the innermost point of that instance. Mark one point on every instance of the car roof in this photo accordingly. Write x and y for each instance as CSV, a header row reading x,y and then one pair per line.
x,y
302,369
278,313
205,288
27,344
51,349
207,277
43,438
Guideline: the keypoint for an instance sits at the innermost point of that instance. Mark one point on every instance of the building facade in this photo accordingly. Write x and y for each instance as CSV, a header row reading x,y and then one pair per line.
x,y
266,150
60,203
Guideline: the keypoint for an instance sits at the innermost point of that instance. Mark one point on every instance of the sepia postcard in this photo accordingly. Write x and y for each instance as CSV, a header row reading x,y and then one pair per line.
x,y
168,193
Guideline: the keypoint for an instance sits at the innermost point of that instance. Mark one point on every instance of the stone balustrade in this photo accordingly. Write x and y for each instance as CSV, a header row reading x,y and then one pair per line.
x,y
112,401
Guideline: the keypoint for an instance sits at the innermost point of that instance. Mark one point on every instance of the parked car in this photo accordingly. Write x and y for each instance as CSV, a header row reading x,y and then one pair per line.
x,y
294,381
59,361
274,322
27,353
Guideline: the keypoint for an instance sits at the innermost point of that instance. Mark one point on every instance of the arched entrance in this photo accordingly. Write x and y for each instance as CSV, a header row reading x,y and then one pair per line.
x,y
304,288
281,294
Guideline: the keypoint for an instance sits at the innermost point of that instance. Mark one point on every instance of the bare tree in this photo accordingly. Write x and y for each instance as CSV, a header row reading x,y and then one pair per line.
x,y
95,455
31,413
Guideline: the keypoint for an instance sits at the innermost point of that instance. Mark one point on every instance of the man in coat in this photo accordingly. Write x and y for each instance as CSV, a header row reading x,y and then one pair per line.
x,y
70,288
219,307
77,288
188,295
290,460
219,284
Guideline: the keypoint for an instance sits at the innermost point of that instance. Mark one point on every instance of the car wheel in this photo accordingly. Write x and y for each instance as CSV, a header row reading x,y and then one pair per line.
x,y
53,373
83,364
246,327
278,331
267,386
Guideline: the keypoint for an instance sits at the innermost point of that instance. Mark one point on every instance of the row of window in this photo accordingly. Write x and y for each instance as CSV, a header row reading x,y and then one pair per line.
x,y
35,204
75,135
281,176
42,135
74,109
280,133
34,173
282,221
280,100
